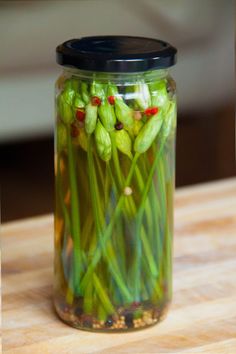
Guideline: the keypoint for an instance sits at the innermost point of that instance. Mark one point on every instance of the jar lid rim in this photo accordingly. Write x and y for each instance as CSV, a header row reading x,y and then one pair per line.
x,y
116,54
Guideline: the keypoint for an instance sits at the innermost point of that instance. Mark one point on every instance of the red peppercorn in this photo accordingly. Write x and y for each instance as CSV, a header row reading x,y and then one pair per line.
x,y
151,111
80,115
148,112
135,304
74,132
111,100
154,110
96,101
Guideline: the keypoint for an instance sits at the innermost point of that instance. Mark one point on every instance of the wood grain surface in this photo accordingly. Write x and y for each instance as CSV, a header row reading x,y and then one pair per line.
x,y
202,318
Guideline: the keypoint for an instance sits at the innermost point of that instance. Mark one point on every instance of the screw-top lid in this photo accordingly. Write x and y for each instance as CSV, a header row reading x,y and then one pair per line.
x,y
116,54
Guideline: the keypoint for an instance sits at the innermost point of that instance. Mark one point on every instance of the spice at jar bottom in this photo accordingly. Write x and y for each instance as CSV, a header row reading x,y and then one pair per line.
x,y
114,181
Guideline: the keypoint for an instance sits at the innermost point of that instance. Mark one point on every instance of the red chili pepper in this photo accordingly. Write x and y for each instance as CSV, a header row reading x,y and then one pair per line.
x,y
151,111
96,101
74,132
148,112
154,110
111,100
80,115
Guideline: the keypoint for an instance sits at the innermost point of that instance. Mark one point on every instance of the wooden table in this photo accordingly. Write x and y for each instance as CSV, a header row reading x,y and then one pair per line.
x,y
202,318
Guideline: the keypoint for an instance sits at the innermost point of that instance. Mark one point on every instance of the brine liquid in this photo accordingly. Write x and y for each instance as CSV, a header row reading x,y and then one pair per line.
x,y
113,247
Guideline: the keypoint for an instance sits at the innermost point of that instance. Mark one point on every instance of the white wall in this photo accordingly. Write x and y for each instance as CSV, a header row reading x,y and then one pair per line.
x,y
202,30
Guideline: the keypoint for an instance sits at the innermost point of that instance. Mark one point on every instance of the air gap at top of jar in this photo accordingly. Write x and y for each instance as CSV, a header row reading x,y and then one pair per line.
x,y
114,178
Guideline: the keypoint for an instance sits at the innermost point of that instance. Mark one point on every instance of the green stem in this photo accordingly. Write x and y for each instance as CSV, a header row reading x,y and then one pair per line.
x,y
129,203
136,272
130,207
75,216
108,231
118,239
102,313
141,186
70,273
152,283
106,187
61,199
89,301
156,241
149,180
106,250
87,231
107,305
116,161
169,234
139,233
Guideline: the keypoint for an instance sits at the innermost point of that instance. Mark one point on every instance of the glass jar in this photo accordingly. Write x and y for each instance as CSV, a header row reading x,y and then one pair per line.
x,y
114,179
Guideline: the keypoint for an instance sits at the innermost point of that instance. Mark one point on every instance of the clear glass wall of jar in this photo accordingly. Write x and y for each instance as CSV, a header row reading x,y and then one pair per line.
x,y
114,179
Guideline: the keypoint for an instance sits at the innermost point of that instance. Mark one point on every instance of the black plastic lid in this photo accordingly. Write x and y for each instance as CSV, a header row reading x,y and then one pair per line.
x,y
116,54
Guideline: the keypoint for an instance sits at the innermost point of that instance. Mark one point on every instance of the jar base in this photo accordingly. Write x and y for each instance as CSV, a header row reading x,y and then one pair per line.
x,y
117,324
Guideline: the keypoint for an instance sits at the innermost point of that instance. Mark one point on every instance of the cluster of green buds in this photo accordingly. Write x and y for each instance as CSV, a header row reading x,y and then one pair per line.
x,y
86,108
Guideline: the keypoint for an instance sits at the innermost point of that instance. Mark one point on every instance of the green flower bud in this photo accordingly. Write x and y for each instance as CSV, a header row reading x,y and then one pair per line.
x,y
71,84
112,90
159,93
148,133
124,113
85,92
123,142
107,115
65,101
103,142
169,123
97,89
142,95
91,113
78,102
64,109
68,92
61,135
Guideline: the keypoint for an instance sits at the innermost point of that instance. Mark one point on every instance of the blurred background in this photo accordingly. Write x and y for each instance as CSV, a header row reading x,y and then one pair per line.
x,y
203,32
